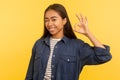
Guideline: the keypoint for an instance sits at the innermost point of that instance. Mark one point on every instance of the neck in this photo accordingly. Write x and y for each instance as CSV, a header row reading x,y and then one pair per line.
x,y
57,36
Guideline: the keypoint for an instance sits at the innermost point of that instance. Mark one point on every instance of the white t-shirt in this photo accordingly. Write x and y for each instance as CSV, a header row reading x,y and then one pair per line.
x,y
48,72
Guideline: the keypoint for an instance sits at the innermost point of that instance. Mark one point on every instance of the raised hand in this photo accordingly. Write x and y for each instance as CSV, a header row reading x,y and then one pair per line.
x,y
82,26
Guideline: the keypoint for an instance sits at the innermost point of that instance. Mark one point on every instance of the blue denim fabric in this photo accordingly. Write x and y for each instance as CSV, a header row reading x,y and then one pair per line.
x,y
69,57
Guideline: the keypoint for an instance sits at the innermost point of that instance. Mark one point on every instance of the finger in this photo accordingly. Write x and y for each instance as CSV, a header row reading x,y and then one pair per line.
x,y
77,27
86,20
82,18
78,17
76,30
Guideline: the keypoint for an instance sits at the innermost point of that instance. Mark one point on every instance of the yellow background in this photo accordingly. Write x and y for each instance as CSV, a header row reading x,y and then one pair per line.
x,y
21,24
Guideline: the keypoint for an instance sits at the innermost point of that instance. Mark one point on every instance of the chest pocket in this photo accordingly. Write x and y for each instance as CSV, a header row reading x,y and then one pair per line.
x,y
67,64
68,59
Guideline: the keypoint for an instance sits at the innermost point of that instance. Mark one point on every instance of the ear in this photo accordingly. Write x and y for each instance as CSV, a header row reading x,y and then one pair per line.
x,y
64,21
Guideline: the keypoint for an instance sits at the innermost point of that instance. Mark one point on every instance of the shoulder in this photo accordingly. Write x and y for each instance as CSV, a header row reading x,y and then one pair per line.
x,y
77,41
80,43
38,42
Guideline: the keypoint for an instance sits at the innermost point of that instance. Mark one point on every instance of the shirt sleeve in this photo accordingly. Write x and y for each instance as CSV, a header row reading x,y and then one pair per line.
x,y
29,75
93,55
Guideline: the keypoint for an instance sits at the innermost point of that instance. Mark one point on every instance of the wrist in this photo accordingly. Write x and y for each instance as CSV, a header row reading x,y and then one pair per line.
x,y
88,33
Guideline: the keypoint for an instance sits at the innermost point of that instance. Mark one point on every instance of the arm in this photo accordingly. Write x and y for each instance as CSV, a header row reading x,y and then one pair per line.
x,y
91,55
94,41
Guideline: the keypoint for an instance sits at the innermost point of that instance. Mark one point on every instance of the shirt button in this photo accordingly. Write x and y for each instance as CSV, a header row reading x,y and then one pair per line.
x,y
52,76
68,60
55,46
53,55
52,66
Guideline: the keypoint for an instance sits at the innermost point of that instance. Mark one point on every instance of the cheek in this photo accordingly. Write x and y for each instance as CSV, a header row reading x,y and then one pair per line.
x,y
56,23
59,24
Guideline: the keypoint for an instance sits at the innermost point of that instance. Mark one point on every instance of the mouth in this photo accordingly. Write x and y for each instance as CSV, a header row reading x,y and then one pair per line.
x,y
51,29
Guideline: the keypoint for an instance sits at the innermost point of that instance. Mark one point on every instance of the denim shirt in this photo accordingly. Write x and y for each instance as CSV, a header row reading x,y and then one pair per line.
x,y
69,57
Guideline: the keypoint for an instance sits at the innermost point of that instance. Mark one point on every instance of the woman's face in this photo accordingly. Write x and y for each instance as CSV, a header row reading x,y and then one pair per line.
x,y
54,23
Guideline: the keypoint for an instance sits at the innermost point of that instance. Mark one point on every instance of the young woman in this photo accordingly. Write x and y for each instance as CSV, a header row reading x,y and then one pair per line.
x,y
58,54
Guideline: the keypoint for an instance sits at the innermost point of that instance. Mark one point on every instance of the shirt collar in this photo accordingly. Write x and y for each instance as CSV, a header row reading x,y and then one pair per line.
x,y
65,39
47,40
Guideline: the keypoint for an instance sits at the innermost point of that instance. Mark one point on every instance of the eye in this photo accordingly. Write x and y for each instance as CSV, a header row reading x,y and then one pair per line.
x,y
54,19
46,20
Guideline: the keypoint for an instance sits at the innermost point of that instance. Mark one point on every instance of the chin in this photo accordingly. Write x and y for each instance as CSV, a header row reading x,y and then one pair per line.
x,y
52,33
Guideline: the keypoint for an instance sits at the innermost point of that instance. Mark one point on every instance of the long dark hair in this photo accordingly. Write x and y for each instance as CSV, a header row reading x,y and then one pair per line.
x,y
68,32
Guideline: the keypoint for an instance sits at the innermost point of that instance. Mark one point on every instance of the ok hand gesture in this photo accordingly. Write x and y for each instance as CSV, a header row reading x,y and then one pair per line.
x,y
82,26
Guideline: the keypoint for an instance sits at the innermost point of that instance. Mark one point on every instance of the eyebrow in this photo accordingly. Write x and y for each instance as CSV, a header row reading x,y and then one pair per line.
x,y
51,17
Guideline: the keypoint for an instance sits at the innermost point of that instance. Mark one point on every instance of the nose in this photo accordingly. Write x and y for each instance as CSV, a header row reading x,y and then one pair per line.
x,y
50,23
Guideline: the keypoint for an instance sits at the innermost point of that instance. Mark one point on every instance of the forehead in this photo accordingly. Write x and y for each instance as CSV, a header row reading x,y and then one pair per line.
x,y
51,13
